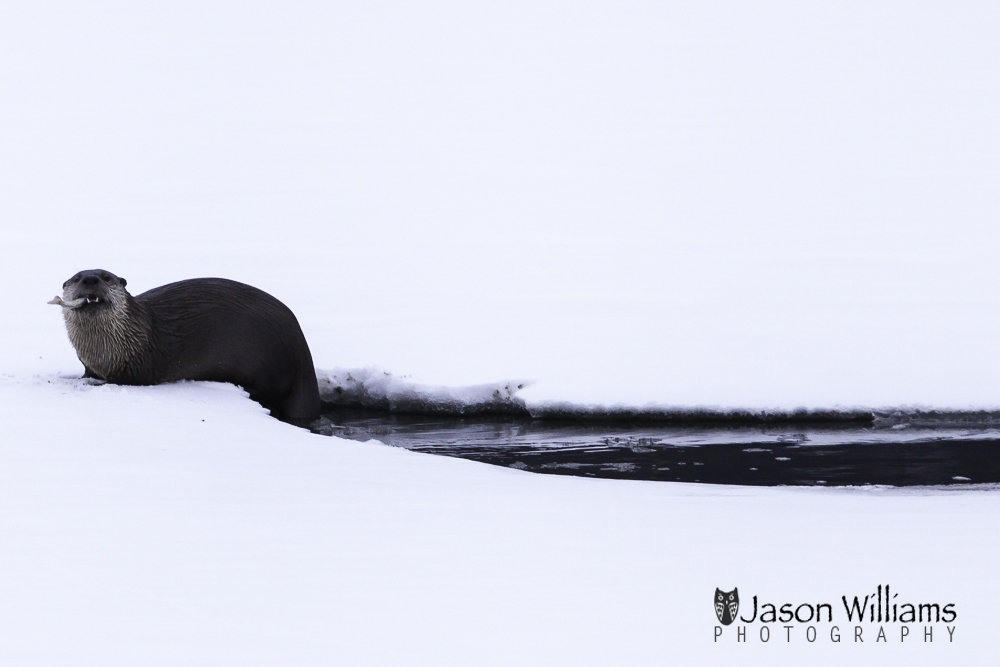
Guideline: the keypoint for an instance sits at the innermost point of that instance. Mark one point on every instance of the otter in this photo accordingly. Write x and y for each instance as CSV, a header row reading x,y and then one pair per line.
x,y
202,329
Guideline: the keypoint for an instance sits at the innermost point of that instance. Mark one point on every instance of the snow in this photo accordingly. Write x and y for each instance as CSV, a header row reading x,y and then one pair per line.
x,y
614,204
769,207
181,525
372,388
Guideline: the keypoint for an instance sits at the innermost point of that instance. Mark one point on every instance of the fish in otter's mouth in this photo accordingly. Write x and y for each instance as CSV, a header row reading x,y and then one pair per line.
x,y
75,303
88,288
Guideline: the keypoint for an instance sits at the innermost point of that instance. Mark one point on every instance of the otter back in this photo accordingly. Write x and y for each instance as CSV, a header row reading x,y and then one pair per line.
x,y
224,331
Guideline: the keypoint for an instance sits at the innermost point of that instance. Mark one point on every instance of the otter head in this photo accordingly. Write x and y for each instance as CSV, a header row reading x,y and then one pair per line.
x,y
102,321
90,292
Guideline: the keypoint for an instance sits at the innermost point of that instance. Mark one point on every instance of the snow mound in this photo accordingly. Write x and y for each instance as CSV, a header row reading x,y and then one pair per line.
x,y
699,415
378,389
375,389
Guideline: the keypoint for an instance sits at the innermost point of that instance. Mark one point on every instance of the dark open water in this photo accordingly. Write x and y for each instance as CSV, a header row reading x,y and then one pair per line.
x,y
893,449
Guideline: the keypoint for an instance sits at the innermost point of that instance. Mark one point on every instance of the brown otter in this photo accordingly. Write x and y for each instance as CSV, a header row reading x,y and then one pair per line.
x,y
203,329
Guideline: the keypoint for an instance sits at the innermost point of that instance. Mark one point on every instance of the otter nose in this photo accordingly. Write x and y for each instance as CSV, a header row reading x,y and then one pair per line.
x,y
89,279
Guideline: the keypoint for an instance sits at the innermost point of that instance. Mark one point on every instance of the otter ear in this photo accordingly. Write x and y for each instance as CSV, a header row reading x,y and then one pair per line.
x,y
123,282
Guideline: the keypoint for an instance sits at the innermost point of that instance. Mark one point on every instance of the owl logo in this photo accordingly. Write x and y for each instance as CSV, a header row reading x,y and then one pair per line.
x,y
726,605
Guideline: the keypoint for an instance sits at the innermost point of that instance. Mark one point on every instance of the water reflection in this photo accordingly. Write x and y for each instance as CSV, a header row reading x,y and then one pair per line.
x,y
926,451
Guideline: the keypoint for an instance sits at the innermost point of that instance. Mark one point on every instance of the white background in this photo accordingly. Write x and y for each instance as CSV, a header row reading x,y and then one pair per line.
x,y
774,206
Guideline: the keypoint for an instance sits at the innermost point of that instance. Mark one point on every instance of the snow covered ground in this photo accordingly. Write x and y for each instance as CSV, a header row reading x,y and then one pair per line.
x,y
620,203
180,525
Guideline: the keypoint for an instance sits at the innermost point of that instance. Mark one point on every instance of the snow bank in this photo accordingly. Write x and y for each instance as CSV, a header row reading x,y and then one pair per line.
x,y
376,389
373,388
180,524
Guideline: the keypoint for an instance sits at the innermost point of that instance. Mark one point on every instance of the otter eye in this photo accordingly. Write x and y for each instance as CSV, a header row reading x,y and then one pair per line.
x,y
105,278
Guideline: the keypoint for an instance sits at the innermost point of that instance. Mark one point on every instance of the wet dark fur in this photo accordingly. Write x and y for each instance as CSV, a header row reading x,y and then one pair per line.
x,y
203,329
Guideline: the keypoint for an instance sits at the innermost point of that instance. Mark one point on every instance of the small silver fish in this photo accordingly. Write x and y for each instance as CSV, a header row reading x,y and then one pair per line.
x,y
72,303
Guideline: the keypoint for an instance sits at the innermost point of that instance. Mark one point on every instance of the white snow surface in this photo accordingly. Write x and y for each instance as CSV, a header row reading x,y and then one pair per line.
x,y
181,525
373,388
679,204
